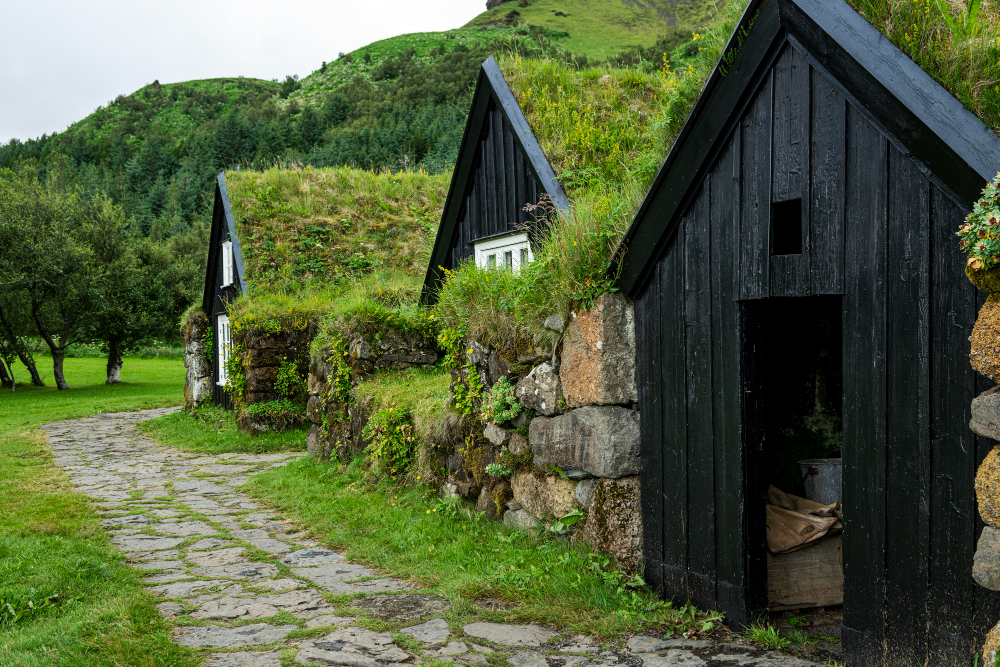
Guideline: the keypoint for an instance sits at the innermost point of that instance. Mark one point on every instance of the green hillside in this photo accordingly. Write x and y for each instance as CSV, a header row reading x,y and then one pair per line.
x,y
367,62
173,109
600,29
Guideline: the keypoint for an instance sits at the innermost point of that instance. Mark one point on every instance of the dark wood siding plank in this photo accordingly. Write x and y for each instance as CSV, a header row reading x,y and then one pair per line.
x,y
864,449
952,539
510,177
700,436
647,328
730,504
908,418
755,250
500,171
673,399
826,157
789,274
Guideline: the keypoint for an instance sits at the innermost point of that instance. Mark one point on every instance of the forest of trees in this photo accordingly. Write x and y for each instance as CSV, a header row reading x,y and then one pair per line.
x,y
76,269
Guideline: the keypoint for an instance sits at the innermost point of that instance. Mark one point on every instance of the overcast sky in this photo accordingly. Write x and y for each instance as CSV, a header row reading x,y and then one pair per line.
x,y
60,59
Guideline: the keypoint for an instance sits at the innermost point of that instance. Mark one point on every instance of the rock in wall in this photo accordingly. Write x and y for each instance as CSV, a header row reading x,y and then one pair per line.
x,y
198,379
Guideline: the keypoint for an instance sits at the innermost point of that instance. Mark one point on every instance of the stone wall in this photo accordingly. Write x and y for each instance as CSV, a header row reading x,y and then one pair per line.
x,y
263,355
336,426
581,448
986,563
197,360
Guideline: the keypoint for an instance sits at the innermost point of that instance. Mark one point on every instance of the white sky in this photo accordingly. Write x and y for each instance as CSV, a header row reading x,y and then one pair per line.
x,y
60,59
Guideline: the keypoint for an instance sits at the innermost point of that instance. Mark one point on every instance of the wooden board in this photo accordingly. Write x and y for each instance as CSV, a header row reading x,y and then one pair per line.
x,y
810,577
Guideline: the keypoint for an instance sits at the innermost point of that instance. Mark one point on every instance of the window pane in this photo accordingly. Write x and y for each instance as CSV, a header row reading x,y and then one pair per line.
x,y
508,259
491,261
524,256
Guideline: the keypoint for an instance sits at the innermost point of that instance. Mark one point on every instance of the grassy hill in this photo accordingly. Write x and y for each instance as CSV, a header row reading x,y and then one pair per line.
x,y
173,109
602,28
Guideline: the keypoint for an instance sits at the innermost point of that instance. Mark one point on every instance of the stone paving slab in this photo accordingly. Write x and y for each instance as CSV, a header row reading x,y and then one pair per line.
x,y
181,519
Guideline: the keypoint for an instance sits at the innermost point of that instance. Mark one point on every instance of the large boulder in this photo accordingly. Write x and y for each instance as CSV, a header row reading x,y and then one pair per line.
x,y
988,488
985,340
598,354
601,440
986,414
539,390
986,563
543,495
614,523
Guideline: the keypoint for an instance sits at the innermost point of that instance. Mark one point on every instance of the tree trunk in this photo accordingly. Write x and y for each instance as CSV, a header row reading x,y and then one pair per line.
x,y
58,355
6,379
22,351
29,363
114,361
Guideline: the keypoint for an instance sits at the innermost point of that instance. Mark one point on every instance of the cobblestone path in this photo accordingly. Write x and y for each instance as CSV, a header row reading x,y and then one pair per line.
x,y
238,584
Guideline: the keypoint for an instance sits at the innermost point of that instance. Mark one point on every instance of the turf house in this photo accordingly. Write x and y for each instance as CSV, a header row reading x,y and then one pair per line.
x,y
224,281
500,169
799,294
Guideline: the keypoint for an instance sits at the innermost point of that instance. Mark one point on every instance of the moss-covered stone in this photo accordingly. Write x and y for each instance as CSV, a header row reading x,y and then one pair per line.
x,y
614,524
988,488
985,340
476,460
985,280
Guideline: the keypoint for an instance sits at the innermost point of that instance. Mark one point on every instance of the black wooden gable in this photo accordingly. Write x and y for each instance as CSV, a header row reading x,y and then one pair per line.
x,y
500,169
216,300
907,105
223,229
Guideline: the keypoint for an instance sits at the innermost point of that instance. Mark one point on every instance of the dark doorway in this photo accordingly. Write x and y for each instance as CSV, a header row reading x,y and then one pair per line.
x,y
795,413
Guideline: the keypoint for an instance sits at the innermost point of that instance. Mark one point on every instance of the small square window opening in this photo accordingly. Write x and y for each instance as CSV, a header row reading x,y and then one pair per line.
x,y
786,227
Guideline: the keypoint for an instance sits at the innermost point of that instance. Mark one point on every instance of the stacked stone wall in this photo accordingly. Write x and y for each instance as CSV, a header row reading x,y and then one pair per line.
x,y
986,563
580,449
197,360
337,426
262,357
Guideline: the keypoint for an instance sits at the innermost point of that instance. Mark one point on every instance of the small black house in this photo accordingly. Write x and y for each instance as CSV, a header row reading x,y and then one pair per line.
x,y
224,281
500,169
794,260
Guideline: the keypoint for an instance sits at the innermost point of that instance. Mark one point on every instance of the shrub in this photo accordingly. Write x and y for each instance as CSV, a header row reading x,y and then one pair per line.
x,y
280,414
980,233
500,404
289,382
391,440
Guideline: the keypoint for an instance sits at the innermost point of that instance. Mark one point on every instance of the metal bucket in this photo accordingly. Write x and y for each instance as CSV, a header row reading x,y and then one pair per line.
x,y
823,479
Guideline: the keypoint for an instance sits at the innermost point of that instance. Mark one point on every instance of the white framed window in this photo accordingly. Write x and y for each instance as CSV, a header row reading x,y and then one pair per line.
x,y
225,342
227,263
510,252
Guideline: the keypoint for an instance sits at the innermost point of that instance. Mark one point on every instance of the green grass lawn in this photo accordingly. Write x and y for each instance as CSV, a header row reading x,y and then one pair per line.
x,y
66,596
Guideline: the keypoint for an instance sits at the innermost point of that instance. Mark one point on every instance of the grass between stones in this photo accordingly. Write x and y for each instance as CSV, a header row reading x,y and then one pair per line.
x,y
66,596
486,571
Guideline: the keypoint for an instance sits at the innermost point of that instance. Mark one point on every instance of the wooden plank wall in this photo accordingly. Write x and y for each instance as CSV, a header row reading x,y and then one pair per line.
x,y
503,183
880,232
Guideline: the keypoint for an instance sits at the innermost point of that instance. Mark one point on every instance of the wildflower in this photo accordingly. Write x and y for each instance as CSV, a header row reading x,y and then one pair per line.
x,y
428,511
975,263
